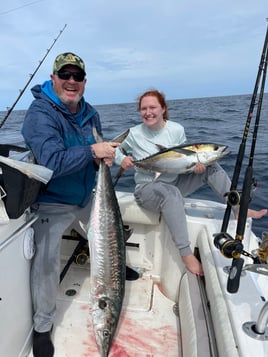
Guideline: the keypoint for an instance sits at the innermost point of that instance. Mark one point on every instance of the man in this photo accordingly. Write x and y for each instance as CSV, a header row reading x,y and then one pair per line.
x,y
58,130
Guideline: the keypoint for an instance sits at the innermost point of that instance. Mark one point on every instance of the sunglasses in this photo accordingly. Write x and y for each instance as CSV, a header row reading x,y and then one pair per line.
x,y
77,76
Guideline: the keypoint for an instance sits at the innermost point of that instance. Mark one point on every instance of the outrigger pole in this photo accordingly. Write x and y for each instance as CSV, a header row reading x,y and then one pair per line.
x,y
30,79
233,248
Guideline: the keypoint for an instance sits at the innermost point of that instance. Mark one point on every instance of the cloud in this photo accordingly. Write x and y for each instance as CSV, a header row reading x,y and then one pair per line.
x,y
186,48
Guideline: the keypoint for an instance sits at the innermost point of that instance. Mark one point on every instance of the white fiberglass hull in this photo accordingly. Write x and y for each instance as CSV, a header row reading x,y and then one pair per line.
x,y
164,312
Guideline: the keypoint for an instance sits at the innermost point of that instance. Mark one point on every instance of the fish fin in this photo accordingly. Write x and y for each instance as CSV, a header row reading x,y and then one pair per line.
x,y
161,147
96,135
157,174
183,151
120,138
118,175
121,170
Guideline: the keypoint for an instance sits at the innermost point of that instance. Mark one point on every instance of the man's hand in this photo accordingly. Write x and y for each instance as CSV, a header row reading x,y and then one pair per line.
x,y
105,149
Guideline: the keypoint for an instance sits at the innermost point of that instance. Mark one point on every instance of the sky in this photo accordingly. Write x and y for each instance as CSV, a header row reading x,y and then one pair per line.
x,y
184,48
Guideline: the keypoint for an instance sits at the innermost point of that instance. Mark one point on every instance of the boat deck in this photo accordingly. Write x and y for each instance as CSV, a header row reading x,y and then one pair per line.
x,y
147,326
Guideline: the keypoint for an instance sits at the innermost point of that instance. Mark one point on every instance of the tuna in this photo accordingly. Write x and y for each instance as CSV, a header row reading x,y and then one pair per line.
x,y
182,159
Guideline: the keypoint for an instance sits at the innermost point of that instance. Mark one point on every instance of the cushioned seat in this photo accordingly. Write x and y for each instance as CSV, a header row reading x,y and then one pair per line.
x,y
132,213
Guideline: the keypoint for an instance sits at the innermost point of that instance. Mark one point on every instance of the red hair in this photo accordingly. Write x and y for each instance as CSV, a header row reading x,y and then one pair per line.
x,y
159,96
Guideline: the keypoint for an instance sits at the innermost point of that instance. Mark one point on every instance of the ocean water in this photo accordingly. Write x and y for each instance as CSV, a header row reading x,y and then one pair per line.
x,y
215,119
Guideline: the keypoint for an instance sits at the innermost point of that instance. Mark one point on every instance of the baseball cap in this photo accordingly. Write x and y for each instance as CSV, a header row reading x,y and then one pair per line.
x,y
68,58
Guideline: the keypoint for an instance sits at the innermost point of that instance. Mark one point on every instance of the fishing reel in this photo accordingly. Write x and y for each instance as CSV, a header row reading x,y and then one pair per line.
x,y
229,247
234,196
233,248
262,251
81,254
82,257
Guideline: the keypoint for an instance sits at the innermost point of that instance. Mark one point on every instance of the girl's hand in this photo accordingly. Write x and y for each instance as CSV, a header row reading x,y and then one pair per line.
x,y
199,168
127,163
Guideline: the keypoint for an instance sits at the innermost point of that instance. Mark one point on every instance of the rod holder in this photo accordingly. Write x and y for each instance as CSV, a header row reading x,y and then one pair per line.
x,y
258,330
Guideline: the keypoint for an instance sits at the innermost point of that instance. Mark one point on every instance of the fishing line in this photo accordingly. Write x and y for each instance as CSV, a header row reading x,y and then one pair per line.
x,y
19,7
30,79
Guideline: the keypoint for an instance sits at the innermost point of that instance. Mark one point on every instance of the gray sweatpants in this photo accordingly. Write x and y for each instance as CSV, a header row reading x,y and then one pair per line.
x,y
167,198
53,220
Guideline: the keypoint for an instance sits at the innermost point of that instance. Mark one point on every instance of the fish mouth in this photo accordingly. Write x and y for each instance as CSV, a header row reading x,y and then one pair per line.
x,y
224,150
104,341
221,148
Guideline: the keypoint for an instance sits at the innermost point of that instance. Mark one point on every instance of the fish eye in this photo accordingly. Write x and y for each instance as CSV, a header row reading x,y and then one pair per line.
x,y
106,333
102,304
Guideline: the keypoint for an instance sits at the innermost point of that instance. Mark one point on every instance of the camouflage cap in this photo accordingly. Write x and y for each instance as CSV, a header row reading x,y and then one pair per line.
x,y
68,58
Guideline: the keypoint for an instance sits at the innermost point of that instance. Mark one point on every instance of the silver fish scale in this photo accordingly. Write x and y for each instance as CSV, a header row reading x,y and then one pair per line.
x,y
107,255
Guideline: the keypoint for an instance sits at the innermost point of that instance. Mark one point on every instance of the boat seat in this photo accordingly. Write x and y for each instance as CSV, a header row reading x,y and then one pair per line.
x,y
132,213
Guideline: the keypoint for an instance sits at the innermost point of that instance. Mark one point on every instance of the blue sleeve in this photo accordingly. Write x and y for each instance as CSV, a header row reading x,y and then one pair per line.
x,y
53,143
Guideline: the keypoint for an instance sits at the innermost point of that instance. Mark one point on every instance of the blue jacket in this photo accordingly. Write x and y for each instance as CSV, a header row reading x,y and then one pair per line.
x,y
61,141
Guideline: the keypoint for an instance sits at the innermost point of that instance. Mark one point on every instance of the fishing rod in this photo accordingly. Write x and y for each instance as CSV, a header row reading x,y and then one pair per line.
x,y
233,195
30,79
233,248
246,196
237,263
